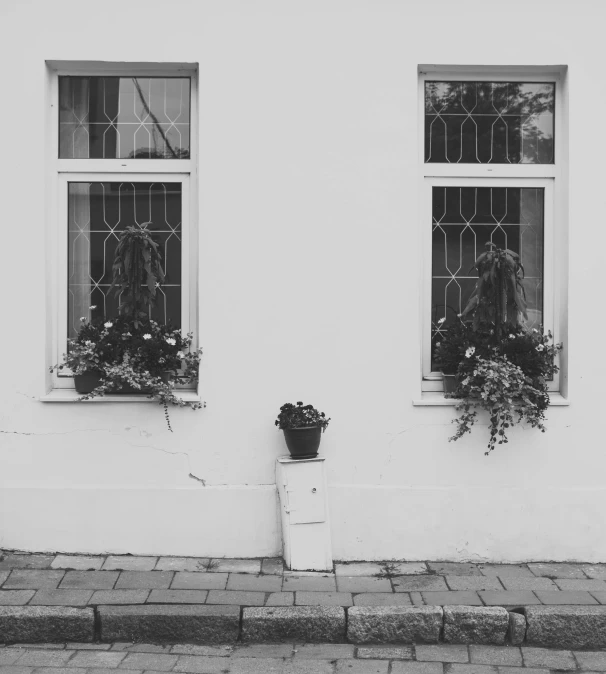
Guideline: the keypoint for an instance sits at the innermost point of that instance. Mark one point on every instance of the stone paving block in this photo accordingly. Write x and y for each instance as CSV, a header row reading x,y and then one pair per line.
x,y
362,666
456,598
525,583
509,598
4,575
44,658
416,598
323,599
272,566
475,625
142,580
90,580
506,570
550,659
45,624
242,581
294,623
177,597
119,597
309,583
196,649
97,659
442,653
472,669
159,662
454,568
363,584
41,644
130,647
323,651
281,599
473,583
600,596
595,571
378,569
555,570
507,656
416,668
15,597
382,599
182,564
129,563
263,651
588,584
9,655
385,653
96,670
33,580
168,623
592,660
279,666
78,562
419,583
235,566
15,669
579,627
185,580
61,598
522,670
565,597
517,628
393,624
202,664
78,645
239,598
17,561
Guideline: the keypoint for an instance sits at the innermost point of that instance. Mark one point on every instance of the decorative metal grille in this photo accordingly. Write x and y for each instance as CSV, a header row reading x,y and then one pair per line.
x,y
124,117
463,220
97,213
489,122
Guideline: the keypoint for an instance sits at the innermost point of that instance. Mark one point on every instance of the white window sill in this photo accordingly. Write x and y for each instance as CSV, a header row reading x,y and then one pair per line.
x,y
66,395
437,399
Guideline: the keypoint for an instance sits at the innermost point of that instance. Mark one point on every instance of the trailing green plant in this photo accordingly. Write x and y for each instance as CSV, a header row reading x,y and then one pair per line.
x,y
136,272
146,356
300,416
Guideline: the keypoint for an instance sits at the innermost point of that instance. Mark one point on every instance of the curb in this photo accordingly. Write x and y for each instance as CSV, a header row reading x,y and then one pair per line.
x,y
573,627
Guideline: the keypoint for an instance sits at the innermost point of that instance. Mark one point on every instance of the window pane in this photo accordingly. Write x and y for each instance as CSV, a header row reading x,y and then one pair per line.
x,y
463,220
124,117
489,122
97,213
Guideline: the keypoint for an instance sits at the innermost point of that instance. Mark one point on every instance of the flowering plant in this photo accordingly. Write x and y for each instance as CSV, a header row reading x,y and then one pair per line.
x,y
300,416
147,358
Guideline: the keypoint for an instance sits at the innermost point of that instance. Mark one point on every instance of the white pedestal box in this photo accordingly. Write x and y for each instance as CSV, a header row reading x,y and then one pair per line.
x,y
304,510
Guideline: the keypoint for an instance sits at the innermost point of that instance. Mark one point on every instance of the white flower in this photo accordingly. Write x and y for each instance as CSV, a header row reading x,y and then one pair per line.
x,y
470,351
147,336
540,347
93,307
438,344
108,324
171,341
441,320
180,354
83,318
511,336
88,343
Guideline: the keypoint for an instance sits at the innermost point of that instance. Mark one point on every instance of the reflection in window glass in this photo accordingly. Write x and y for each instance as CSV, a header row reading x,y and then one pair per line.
x,y
124,117
97,213
489,122
463,220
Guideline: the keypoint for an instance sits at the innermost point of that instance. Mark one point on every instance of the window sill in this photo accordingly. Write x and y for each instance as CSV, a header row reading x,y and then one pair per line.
x,y
66,395
437,399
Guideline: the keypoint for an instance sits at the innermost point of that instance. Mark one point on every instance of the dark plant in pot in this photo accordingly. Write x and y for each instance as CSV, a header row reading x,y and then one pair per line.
x,y
303,426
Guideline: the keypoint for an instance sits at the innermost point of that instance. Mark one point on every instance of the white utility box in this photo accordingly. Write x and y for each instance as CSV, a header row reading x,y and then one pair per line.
x,y
304,510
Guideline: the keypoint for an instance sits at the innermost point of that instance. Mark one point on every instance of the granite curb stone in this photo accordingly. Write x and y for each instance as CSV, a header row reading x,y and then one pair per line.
x,y
46,624
475,625
294,623
391,624
170,624
566,626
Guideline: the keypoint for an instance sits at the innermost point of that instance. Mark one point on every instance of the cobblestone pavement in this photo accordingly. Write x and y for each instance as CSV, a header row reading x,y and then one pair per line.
x,y
79,580
125,658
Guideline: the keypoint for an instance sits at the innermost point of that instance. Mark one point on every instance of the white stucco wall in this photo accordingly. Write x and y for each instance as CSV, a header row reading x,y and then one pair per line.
x,y
309,257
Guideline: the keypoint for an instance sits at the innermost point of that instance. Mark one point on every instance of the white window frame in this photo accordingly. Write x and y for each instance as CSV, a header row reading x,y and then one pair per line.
x,y
551,177
60,172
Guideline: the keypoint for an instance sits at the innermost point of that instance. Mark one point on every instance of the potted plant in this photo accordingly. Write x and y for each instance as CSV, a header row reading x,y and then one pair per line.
x,y
501,365
132,353
303,426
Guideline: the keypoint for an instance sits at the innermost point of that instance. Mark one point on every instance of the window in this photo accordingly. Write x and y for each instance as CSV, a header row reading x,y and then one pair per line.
x,y
492,171
122,154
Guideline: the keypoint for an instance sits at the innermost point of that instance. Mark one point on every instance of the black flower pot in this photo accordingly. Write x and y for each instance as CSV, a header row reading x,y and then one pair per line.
x,y
451,382
303,443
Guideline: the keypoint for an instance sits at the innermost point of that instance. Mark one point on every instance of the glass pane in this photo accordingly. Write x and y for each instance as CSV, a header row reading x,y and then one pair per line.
x,y
97,213
463,220
124,117
489,122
